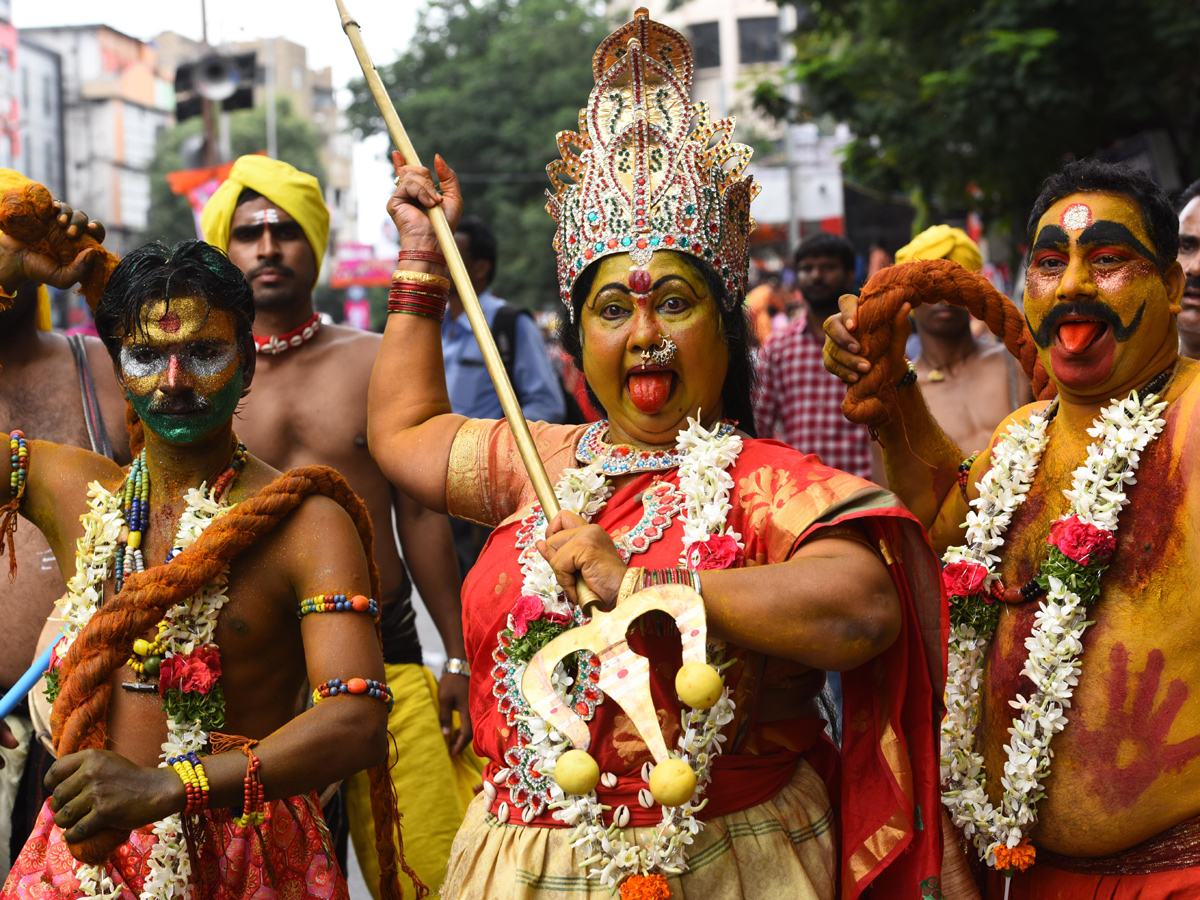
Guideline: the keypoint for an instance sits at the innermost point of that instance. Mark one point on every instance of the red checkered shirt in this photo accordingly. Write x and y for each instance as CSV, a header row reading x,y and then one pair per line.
x,y
800,403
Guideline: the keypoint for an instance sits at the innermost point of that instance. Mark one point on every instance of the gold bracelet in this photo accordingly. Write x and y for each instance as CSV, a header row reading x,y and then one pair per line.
x,y
630,584
421,278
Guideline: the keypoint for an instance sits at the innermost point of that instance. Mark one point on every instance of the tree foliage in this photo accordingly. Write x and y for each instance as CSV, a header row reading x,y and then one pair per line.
x,y
488,84
170,216
974,104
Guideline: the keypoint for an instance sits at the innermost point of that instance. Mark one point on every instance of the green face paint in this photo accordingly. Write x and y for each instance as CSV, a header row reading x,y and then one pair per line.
x,y
195,427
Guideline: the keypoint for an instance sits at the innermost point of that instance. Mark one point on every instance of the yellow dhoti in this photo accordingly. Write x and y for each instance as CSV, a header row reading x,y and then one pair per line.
x,y
783,847
433,789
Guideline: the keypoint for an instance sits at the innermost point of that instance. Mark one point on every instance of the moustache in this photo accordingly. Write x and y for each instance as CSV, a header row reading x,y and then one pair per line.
x,y
1088,309
1191,284
181,406
273,266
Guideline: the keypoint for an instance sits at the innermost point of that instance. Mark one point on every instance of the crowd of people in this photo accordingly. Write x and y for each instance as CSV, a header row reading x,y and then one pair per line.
x,y
810,620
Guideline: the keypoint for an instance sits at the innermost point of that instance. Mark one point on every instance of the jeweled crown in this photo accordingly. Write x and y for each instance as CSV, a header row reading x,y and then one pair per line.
x,y
648,170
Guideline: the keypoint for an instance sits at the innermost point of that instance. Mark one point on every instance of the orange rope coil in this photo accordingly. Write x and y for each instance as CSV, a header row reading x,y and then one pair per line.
x,y
870,399
79,718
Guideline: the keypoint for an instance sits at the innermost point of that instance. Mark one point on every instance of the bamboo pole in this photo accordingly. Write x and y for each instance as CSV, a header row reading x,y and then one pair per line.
x,y
462,282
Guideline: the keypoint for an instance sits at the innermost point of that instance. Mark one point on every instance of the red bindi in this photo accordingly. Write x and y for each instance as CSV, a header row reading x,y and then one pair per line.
x,y
169,323
639,281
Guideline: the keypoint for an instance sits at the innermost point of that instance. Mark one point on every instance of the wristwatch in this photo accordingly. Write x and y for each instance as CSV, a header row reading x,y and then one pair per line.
x,y
457,667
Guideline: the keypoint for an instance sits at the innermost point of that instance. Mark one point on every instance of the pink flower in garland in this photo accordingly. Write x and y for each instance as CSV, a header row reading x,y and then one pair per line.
x,y
197,672
55,659
1082,541
527,609
717,552
963,578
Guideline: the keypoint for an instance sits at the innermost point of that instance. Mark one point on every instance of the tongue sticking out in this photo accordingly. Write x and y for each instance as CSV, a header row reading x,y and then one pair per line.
x,y
1078,336
650,391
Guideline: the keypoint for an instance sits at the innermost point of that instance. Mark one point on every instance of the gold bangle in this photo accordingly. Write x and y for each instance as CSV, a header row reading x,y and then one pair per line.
x,y
421,278
630,583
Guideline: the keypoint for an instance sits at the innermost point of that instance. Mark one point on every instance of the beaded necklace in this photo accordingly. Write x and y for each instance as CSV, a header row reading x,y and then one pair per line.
x,y
620,459
137,517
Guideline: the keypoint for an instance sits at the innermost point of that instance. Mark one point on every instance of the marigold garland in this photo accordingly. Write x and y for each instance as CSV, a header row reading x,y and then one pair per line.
x,y
645,887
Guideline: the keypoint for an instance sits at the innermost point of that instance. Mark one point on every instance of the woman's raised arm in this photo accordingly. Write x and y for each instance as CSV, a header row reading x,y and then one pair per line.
x,y
410,425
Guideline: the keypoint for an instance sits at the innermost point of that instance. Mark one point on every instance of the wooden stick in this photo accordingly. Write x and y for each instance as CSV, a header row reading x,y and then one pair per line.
x,y
462,282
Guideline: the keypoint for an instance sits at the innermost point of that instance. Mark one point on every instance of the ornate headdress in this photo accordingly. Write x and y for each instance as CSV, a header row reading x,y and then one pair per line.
x,y
647,170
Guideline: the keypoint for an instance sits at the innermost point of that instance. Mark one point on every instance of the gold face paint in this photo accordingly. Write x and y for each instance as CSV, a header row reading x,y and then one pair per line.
x,y
628,312
181,344
1095,298
182,368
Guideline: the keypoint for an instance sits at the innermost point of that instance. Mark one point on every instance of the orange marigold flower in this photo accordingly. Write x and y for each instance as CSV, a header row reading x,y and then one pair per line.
x,y
1019,857
645,887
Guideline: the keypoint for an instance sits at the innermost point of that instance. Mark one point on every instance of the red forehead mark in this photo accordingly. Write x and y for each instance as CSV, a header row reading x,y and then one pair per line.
x,y
639,281
169,322
1076,217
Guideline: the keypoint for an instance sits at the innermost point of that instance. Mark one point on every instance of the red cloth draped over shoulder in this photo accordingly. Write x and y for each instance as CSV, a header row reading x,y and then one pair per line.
x,y
888,807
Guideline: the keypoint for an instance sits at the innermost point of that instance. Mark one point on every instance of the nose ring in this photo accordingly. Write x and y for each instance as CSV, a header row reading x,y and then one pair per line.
x,y
662,355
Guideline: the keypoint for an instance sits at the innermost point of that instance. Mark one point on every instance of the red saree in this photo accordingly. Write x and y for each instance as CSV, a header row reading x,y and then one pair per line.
x,y
887,809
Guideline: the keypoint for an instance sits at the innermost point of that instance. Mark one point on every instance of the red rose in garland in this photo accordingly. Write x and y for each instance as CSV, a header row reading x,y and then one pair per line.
x,y
718,552
1081,541
197,672
963,578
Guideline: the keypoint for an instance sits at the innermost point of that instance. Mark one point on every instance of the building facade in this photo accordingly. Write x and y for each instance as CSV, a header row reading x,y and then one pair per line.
x,y
114,104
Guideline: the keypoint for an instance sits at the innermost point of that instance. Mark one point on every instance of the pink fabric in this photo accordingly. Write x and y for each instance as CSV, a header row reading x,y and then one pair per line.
x,y
288,856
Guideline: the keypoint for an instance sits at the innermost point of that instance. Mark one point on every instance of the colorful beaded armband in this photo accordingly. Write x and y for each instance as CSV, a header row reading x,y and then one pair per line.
x,y
338,603
335,686
19,453
688,577
910,375
195,781
253,795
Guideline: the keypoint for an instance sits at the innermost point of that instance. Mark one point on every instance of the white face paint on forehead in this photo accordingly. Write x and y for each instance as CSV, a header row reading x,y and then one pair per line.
x,y
269,216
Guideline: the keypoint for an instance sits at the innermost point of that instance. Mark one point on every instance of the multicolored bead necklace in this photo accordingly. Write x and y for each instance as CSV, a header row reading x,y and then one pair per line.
x,y
137,518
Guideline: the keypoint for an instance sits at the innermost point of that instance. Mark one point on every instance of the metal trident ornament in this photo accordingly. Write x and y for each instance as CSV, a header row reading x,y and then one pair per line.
x,y
624,675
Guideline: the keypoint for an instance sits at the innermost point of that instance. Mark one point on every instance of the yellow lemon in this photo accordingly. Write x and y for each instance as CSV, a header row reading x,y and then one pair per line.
x,y
698,685
672,782
576,772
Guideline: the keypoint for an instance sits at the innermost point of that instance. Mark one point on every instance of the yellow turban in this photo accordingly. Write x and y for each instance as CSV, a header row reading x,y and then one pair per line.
x,y
942,242
9,179
297,193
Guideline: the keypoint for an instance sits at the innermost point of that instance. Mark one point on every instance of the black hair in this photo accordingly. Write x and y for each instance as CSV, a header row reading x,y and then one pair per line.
x,y
155,271
481,241
740,377
1189,193
246,196
1160,219
825,244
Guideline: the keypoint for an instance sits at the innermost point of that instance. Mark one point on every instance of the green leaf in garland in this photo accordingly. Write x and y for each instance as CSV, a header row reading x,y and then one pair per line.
x,y
206,710
52,686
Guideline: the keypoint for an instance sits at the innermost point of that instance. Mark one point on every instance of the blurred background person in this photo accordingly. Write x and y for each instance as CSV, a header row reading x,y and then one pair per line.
x,y
797,400
969,384
1188,319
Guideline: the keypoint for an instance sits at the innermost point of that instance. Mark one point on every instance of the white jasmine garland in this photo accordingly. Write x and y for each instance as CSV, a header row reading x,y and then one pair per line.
x,y
705,484
1097,496
191,623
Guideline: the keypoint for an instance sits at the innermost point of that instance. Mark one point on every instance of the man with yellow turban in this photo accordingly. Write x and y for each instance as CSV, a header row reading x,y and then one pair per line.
x,y
45,380
310,406
970,386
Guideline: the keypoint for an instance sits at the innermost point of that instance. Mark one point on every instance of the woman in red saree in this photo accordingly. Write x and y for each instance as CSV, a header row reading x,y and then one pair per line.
x,y
801,567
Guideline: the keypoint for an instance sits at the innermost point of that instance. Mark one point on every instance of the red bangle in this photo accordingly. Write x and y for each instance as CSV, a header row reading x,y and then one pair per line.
x,y
418,304
433,256
416,287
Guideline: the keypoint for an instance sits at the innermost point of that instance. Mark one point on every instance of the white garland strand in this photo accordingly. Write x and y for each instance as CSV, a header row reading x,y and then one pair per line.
x,y
190,624
705,485
1097,496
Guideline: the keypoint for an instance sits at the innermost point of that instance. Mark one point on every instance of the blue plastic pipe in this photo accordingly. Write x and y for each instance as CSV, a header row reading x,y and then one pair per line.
x,y
25,684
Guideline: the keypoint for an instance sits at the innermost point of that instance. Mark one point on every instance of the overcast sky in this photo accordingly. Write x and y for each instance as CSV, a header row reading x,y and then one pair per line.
x,y
387,26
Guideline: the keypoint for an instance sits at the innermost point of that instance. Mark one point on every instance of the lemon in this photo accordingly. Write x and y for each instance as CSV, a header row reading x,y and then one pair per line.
x,y
698,685
576,772
672,782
